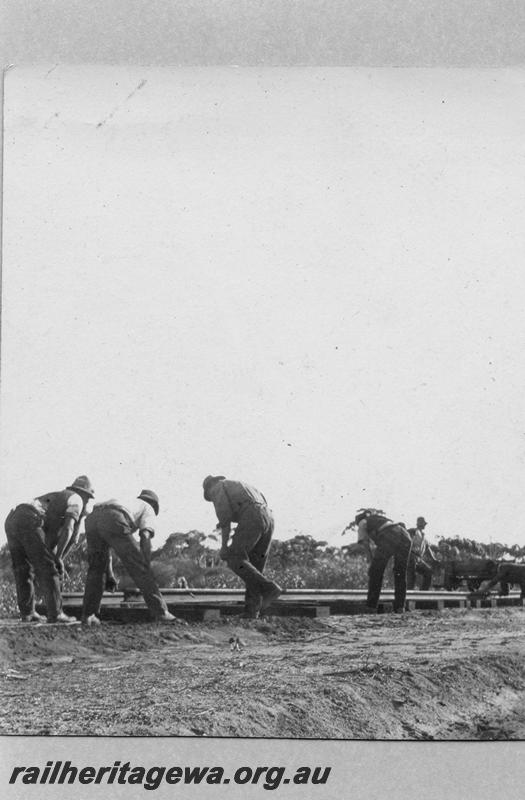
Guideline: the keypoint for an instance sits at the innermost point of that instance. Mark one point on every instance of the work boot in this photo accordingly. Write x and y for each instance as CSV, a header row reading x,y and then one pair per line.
x,y
91,621
167,617
62,619
34,617
252,609
251,614
270,595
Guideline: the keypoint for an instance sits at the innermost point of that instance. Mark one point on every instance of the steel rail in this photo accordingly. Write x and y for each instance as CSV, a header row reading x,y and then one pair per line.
x,y
340,600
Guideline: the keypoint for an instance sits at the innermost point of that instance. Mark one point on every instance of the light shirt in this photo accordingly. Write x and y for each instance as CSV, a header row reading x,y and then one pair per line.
x,y
229,497
419,544
140,514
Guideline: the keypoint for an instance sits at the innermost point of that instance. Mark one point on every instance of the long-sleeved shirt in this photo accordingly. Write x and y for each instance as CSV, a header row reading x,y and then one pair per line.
x,y
229,497
419,544
420,547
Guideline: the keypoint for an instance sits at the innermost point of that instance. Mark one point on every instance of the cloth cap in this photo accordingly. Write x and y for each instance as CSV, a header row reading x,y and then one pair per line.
x,y
210,481
82,484
150,497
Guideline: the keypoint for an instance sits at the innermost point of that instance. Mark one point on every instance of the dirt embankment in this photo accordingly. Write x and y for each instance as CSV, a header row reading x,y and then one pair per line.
x,y
423,675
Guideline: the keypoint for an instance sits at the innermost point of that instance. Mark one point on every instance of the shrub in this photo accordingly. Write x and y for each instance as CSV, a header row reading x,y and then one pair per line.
x,y
301,562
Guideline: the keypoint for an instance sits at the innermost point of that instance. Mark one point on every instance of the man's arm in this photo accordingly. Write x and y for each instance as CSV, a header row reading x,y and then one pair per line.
x,y
225,536
111,582
68,534
145,537
368,550
428,553
66,538
363,539
72,540
223,509
145,523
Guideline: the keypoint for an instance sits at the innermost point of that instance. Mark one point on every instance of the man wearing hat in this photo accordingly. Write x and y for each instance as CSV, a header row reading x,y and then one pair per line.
x,y
247,553
39,534
419,552
111,524
391,540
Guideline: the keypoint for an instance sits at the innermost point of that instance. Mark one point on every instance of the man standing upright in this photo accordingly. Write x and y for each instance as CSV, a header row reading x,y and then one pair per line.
x,y
111,524
391,539
419,552
235,501
40,533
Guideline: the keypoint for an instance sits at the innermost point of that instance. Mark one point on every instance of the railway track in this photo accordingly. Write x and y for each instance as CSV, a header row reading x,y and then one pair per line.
x,y
217,603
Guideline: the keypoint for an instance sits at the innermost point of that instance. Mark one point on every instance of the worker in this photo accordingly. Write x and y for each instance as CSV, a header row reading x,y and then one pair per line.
x,y
40,533
111,524
419,554
247,553
391,539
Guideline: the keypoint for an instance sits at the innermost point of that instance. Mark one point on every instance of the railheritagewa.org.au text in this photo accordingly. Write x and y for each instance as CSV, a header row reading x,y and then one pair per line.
x,y
150,778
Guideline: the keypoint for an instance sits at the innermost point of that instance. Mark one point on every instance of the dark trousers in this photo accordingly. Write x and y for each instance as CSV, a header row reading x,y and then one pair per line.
x,y
105,528
31,556
248,553
393,542
416,566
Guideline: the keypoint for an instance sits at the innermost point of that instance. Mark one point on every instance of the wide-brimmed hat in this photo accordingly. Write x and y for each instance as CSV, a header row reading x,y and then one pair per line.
x,y
210,481
421,521
152,498
82,484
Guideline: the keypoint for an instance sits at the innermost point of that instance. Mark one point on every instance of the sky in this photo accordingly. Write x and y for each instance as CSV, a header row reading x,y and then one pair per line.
x,y
307,278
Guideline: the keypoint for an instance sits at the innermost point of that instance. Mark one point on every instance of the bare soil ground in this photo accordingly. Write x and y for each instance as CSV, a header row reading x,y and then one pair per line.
x,y
424,675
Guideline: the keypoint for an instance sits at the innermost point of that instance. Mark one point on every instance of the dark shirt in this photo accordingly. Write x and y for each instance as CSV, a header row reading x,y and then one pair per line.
x,y
57,507
371,526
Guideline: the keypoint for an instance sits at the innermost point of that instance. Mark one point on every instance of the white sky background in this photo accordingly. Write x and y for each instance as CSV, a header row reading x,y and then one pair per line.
x,y
311,279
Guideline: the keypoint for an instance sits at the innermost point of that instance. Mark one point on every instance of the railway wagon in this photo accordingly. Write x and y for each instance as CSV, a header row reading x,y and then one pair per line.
x,y
464,573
